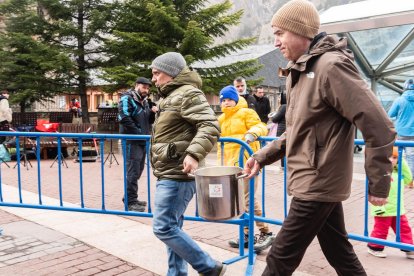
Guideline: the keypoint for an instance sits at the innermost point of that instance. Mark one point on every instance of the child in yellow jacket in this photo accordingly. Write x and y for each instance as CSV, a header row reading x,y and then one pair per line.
x,y
239,121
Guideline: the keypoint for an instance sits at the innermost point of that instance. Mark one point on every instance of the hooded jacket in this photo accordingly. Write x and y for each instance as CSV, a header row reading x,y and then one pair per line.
x,y
185,124
134,115
251,100
326,98
5,110
236,122
402,110
262,108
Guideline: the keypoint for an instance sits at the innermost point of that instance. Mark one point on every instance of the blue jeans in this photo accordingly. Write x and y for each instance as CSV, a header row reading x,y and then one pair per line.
x,y
171,201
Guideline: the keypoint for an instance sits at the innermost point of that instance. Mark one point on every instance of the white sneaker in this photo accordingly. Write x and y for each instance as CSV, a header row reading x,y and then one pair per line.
x,y
378,254
410,254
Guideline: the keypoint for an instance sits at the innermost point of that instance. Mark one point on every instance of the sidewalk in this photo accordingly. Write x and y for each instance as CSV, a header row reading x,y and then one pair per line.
x,y
28,248
43,242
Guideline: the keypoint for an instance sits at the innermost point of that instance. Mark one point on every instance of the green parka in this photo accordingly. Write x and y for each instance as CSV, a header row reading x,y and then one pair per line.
x,y
390,209
185,124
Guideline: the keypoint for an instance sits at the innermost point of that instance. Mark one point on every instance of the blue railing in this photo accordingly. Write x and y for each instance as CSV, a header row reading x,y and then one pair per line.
x,y
243,221
60,139
358,237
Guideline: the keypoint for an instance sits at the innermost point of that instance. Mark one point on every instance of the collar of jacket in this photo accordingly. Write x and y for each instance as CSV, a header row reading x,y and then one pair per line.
x,y
136,96
186,76
321,44
233,109
259,99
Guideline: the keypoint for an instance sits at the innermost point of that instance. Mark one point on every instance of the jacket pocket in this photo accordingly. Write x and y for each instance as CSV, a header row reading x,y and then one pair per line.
x,y
312,150
176,150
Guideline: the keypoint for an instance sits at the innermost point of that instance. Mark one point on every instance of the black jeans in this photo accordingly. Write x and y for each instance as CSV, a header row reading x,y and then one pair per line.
x,y
135,163
307,219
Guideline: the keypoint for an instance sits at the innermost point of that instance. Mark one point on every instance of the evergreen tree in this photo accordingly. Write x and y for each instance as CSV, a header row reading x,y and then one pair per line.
x,y
148,28
29,68
77,28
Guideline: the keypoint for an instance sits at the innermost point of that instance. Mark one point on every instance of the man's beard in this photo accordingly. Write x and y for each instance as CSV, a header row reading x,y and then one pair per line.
x,y
141,95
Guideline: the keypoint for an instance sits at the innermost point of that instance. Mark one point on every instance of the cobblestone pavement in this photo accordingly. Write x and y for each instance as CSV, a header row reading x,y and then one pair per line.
x,y
27,248
214,234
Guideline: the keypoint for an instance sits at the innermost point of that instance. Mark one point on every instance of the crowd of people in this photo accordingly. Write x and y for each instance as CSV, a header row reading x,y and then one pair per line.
x,y
326,100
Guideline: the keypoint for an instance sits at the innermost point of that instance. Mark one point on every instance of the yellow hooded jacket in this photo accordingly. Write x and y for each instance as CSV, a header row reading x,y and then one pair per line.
x,y
236,122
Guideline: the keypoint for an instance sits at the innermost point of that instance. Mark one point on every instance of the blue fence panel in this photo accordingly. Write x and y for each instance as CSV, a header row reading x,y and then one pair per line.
x,y
243,221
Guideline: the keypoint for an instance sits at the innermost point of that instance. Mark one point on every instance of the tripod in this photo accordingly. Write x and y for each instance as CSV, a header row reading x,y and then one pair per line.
x,y
62,158
111,154
2,161
23,156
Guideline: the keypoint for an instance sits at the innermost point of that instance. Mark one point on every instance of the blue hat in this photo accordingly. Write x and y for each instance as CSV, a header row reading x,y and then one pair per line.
x,y
409,84
229,92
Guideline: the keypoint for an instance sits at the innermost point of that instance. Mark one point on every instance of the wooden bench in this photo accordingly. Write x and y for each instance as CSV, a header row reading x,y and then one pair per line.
x,y
69,142
77,128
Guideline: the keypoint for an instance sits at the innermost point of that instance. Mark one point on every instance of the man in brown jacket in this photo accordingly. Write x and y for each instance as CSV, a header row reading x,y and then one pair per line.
x,y
326,98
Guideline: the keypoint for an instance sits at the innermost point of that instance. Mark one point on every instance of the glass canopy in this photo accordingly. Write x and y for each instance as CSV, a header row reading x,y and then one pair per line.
x,y
381,35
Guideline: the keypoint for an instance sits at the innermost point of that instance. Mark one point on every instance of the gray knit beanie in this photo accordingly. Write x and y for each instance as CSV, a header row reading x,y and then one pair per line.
x,y
299,17
171,63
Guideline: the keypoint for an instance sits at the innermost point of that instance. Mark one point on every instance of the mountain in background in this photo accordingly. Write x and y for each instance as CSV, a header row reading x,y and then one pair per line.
x,y
258,14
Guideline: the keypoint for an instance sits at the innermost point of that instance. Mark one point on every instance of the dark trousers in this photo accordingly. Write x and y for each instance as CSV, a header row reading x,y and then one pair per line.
x,y
307,219
135,156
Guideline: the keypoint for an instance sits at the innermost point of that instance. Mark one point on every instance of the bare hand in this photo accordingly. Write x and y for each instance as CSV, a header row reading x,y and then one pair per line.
x,y
252,167
190,164
154,109
377,201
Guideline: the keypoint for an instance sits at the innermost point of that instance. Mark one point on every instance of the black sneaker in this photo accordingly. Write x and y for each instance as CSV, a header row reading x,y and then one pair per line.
x,y
141,202
218,270
263,241
135,207
235,243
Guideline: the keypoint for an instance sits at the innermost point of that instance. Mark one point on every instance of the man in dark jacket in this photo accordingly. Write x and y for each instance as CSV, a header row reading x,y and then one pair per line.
x,y
326,97
184,132
262,104
241,86
135,118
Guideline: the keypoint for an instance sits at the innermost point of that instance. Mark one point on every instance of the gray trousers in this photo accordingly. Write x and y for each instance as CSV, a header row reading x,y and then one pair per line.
x,y
135,164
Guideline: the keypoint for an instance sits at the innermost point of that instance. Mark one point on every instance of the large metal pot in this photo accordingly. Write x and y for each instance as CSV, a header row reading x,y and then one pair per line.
x,y
220,193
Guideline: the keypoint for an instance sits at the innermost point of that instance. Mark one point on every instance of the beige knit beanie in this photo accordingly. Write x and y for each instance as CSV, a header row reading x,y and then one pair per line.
x,y
299,17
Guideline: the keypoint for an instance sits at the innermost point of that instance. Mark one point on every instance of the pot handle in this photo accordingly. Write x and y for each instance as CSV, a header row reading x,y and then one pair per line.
x,y
242,176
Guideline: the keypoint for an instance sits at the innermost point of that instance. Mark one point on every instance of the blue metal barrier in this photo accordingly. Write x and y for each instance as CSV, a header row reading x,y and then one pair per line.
x,y
243,221
365,237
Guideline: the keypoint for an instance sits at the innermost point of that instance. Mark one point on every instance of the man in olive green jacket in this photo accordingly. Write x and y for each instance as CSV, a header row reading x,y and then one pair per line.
x,y
184,132
326,97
